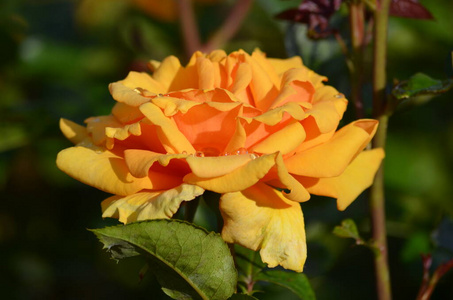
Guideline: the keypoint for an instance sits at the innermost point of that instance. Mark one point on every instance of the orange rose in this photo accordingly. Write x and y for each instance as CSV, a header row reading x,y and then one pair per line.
x,y
259,131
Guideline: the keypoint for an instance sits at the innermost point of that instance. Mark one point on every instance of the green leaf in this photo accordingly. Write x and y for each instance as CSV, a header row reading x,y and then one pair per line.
x,y
347,229
421,84
242,297
188,261
296,282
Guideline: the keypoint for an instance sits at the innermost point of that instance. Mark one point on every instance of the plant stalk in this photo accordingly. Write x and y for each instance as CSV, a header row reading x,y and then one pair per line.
x,y
357,25
377,199
231,25
189,27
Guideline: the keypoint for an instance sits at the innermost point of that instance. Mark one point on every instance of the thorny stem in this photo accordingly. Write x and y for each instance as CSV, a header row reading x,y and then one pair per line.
x,y
377,199
357,24
189,27
231,25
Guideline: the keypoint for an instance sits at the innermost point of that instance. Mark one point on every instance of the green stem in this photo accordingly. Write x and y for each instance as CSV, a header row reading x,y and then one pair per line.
x,y
357,24
231,25
377,199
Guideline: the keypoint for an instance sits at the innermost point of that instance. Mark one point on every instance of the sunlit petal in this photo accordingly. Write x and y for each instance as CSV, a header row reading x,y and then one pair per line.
x,y
261,218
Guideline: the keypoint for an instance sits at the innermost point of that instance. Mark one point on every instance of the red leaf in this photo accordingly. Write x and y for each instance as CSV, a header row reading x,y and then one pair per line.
x,y
409,9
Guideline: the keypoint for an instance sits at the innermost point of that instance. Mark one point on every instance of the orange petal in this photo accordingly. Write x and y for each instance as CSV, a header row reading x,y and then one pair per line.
x,y
170,136
213,130
101,169
149,205
261,218
262,86
332,157
352,182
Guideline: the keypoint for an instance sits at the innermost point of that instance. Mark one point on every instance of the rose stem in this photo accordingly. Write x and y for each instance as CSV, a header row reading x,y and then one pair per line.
x,y
189,28
230,26
357,24
377,201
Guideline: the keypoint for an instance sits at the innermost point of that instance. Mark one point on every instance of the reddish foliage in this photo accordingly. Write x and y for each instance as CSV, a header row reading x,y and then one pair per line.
x,y
409,9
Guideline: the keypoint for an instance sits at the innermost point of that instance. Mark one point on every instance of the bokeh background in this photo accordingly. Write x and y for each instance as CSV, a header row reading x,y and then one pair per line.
x,y
57,58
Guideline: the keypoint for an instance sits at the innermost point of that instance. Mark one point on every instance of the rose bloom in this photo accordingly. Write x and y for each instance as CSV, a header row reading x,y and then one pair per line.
x,y
261,132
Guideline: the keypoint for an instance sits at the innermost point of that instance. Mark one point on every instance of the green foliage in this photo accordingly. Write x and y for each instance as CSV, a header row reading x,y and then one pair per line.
x,y
296,282
241,297
348,229
188,262
420,85
252,270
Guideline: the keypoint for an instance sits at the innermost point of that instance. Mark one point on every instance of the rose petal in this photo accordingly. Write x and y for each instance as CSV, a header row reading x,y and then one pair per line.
x,y
282,65
170,136
352,182
208,167
239,179
72,131
139,162
249,174
142,80
166,71
101,169
126,113
261,218
206,74
126,95
332,157
149,205
283,140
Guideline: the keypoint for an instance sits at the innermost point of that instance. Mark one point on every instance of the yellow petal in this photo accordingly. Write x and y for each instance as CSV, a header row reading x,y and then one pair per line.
x,y
96,127
263,62
101,169
355,179
326,116
274,116
331,158
166,71
124,94
72,131
170,136
261,218
149,205
140,161
263,88
249,174
237,180
126,113
143,80
208,167
283,65
206,74
284,140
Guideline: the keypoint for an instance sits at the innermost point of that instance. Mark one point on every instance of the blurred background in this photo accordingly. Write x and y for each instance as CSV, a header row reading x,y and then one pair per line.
x,y
57,58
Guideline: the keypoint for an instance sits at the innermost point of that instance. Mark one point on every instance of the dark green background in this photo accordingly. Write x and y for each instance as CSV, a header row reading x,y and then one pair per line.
x,y
54,64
